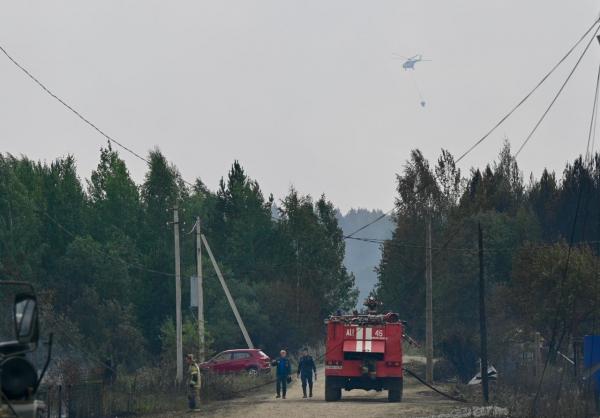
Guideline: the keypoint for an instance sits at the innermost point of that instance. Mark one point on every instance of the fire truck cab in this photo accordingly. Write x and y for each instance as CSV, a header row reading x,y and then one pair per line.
x,y
364,351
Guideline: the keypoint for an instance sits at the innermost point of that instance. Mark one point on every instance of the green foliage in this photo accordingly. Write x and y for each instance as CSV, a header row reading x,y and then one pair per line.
x,y
114,198
527,288
20,249
317,281
102,258
543,289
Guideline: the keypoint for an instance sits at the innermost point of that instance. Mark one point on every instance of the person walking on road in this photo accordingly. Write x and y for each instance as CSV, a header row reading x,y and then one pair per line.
x,y
193,381
283,369
306,368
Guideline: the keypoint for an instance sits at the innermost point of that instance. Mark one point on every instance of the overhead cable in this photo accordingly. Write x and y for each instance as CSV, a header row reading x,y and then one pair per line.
x,y
380,217
524,99
506,116
76,112
592,133
557,95
65,104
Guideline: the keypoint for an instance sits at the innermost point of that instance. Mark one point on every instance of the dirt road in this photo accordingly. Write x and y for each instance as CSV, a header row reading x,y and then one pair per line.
x,y
418,401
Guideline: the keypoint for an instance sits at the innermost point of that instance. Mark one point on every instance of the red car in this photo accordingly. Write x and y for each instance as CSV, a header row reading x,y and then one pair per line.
x,y
251,361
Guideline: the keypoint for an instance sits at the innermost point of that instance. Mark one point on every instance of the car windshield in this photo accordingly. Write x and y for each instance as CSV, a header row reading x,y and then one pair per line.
x,y
261,354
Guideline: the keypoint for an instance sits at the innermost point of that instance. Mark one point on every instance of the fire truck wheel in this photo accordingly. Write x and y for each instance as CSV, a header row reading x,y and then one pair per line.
x,y
332,391
395,390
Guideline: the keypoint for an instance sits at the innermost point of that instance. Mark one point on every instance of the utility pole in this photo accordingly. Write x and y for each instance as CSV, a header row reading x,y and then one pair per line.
x,y
228,294
429,304
179,377
482,322
200,292
297,284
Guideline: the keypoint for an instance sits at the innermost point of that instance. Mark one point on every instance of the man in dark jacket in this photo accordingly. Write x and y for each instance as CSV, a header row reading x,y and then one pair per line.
x,y
306,368
283,369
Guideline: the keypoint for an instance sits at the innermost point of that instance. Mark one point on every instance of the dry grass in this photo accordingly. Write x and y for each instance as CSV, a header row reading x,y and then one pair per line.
x,y
560,395
229,386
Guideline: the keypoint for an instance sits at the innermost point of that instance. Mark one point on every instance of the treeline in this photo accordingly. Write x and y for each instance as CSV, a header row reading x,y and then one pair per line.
x,y
536,280
100,253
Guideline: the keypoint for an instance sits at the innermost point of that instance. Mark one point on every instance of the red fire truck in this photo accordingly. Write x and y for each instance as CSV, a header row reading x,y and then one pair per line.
x,y
364,351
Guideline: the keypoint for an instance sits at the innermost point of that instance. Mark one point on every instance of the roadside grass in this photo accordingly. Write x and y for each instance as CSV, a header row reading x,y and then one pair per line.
x,y
560,395
147,391
229,386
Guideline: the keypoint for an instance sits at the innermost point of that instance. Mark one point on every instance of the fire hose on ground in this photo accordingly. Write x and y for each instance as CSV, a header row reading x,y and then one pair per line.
x,y
416,376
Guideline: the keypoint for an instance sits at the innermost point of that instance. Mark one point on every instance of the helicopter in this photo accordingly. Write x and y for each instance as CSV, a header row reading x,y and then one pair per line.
x,y
409,63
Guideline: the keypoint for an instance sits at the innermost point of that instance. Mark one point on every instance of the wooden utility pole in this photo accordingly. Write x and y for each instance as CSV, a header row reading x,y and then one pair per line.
x,y
179,377
429,305
482,322
297,284
200,292
226,290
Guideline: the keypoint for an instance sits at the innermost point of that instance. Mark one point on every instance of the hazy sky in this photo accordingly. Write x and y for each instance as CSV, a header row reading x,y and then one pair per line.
x,y
303,93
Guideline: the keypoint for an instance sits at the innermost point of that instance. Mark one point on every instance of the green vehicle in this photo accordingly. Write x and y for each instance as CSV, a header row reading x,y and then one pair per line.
x,y
19,335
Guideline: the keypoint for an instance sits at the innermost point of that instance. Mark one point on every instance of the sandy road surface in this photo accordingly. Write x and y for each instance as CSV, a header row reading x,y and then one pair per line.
x,y
418,401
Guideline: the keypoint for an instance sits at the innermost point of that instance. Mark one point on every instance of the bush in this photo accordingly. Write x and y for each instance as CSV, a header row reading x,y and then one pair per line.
x,y
444,370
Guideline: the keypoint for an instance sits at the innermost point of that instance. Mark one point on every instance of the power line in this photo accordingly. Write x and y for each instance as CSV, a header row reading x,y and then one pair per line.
x,y
380,217
524,246
453,234
557,94
560,295
588,152
406,245
505,117
77,113
594,138
567,263
111,139
568,331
